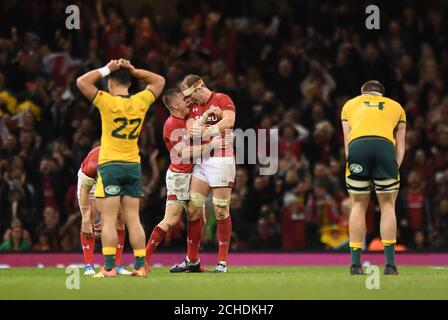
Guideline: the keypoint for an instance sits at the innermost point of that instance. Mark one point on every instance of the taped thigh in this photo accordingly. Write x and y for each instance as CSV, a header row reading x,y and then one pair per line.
x,y
357,186
197,199
386,185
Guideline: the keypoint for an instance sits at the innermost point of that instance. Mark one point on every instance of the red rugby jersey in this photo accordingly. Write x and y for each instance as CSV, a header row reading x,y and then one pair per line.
x,y
175,131
221,101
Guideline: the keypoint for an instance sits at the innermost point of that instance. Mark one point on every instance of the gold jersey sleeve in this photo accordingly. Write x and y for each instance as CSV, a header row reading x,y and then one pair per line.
x,y
121,121
370,115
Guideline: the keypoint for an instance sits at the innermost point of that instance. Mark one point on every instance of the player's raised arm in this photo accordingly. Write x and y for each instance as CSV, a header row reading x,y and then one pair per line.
x,y
400,137
227,121
155,83
86,82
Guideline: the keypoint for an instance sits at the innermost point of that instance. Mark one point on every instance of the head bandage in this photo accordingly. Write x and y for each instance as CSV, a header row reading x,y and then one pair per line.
x,y
193,87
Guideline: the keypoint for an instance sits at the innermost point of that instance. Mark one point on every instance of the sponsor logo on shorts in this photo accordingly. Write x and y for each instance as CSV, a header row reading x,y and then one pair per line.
x,y
112,189
356,168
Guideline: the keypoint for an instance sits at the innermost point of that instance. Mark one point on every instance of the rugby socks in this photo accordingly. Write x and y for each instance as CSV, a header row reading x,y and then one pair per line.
x,y
224,228
389,251
139,258
202,222
356,249
156,237
88,247
120,246
109,257
194,236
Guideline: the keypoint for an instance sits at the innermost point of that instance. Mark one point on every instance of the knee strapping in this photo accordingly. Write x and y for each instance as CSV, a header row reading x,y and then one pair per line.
x,y
221,203
182,203
86,181
197,200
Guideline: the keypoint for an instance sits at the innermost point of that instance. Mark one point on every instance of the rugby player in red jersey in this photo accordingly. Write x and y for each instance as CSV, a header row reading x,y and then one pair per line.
x,y
178,176
216,173
88,208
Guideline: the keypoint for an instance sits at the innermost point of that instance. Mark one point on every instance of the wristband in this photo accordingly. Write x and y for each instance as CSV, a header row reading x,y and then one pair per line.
x,y
105,71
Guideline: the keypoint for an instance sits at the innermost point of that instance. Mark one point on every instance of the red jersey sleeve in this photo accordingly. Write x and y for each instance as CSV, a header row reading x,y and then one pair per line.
x,y
225,103
90,164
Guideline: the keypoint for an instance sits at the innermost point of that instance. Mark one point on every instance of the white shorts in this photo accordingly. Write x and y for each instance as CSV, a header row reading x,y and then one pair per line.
x,y
78,189
177,185
216,171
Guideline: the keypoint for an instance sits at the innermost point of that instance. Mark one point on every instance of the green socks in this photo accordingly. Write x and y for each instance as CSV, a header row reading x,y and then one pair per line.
x,y
356,249
356,255
389,252
109,258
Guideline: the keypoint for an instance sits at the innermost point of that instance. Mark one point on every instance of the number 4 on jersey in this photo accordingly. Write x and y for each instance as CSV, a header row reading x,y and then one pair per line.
x,y
380,105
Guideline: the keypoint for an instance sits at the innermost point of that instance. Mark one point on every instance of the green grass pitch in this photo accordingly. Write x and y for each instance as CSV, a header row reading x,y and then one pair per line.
x,y
240,283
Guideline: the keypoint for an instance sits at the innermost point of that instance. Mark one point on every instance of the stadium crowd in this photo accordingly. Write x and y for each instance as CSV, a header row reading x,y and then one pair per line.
x,y
288,66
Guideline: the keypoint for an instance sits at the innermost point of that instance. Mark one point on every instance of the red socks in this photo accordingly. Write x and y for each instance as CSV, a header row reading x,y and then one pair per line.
x,y
157,236
88,247
194,237
224,228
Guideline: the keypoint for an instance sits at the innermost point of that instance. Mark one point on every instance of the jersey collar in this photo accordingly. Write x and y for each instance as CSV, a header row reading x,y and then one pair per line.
x,y
372,93
172,115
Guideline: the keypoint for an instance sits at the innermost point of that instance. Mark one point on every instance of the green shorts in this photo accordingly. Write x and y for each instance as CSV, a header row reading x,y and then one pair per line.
x,y
119,179
371,160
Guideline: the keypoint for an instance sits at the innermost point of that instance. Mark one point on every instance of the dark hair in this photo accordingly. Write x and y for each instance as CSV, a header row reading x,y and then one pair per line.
x,y
122,76
169,95
372,86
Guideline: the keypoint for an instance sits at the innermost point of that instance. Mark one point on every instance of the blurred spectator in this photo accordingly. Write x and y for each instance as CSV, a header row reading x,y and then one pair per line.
x,y
43,241
416,207
266,237
318,83
440,235
69,233
289,142
322,211
50,226
49,184
16,223
293,217
16,241
19,196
